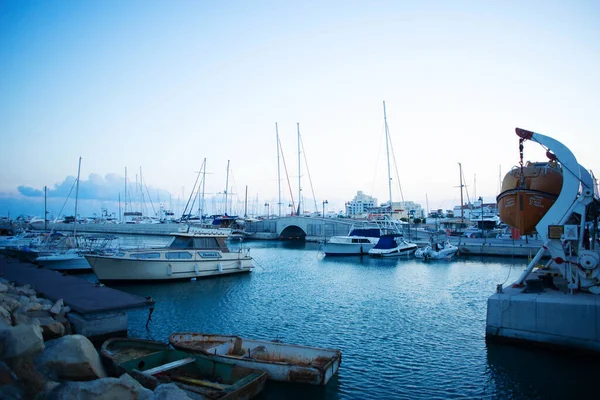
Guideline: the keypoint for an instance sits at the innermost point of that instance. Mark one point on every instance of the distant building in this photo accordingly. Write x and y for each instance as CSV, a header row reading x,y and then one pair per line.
x,y
359,206
400,209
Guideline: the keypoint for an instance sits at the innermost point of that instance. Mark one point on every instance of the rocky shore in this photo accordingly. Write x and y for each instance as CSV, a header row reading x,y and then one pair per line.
x,y
40,358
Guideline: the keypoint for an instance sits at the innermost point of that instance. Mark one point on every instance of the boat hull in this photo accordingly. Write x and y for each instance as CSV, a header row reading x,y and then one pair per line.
x,y
109,268
406,251
280,361
522,203
347,249
200,377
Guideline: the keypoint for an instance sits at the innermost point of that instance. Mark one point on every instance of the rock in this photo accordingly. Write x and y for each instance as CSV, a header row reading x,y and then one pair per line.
x,y
20,340
124,387
10,304
169,391
21,318
71,357
52,330
7,377
3,288
24,300
33,306
30,380
5,317
66,309
55,309
11,392
25,290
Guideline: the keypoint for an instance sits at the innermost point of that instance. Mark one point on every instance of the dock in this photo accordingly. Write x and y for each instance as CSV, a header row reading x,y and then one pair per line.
x,y
545,312
97,311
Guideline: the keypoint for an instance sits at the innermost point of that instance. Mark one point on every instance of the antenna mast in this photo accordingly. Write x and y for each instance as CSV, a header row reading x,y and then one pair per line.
x,y
299,174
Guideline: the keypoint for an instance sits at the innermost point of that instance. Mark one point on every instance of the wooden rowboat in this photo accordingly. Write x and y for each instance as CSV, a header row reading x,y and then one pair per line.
x,y
153,363
281,361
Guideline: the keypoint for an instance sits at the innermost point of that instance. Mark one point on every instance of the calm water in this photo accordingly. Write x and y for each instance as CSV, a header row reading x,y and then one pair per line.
x,y
407,329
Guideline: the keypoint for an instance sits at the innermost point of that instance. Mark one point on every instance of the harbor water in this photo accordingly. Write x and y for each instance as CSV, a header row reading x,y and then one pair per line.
x,y
407,329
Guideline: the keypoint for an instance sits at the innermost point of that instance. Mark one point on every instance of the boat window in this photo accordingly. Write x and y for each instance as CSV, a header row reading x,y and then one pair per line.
x,y
205,243
120,254
145,256
182,242
178,255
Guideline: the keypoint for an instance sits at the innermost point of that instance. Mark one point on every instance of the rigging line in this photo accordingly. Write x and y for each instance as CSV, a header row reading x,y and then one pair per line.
x,y
377,160
150,198
396,168
287,176
308,172
192,194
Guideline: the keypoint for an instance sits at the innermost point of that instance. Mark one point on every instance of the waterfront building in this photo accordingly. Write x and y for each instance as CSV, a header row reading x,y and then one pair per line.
x,y
359,206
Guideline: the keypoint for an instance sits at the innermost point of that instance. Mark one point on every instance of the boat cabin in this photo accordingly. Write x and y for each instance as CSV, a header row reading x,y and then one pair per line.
x,y
200,242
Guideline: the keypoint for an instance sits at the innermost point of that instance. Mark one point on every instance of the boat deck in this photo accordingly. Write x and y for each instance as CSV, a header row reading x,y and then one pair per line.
x,y
81,295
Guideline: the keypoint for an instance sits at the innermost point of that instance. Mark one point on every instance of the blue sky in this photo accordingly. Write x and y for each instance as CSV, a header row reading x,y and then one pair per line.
x,y
162,85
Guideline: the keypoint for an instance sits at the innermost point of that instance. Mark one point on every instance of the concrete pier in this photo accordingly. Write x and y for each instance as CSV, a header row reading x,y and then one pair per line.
x,y
544,315
97,311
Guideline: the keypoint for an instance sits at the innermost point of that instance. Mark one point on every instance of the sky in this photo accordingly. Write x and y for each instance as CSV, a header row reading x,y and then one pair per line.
x,y
156,87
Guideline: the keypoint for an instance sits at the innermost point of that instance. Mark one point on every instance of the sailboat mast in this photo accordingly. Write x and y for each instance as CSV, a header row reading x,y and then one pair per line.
x,y
462,211
299,174
387,147
226,186
278,171
125,199
76,197
246,204
45,208
202,197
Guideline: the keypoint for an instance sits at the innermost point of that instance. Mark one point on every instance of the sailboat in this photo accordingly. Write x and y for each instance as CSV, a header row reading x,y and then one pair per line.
x,y
392,244
65,252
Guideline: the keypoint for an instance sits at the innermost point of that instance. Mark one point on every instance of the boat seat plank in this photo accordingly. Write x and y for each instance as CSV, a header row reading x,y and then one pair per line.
x,y
168,366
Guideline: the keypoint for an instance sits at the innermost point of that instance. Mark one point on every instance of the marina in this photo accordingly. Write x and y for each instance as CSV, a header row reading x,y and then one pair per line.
x,y
406,328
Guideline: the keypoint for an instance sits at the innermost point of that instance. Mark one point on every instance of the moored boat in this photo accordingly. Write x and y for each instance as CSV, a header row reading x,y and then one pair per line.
x,y
437,250
392,245
281,361
153,363
189,255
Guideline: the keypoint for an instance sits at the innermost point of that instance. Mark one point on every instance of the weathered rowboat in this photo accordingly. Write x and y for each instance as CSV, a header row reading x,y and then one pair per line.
x,y
281,361
153,363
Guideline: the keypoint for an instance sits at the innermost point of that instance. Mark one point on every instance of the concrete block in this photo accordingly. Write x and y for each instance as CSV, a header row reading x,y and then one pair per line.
x,y
98,324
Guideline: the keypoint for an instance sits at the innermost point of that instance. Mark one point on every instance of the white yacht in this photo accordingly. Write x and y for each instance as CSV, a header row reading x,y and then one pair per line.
x,y
189,255
360,239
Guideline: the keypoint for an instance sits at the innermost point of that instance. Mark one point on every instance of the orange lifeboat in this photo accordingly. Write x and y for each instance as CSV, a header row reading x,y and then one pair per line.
x,y
523,202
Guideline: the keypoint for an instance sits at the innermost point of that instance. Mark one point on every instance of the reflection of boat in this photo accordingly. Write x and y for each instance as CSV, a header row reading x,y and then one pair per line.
x,y
189,255
153,363
527,194
281,361
437,250
392,245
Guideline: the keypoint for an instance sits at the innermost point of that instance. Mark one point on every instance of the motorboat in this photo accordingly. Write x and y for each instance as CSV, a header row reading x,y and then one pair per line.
x,y
189,255
437,250
281,361
392,245
152,363
360,239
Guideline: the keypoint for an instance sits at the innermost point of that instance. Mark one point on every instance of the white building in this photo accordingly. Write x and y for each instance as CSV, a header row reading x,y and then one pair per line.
x,y
357,207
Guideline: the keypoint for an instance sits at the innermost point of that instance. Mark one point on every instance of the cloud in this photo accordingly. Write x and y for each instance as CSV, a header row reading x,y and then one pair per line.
x,y
96,187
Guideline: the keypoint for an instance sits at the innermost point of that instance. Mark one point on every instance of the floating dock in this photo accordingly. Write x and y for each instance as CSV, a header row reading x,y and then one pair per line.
x,y
97,311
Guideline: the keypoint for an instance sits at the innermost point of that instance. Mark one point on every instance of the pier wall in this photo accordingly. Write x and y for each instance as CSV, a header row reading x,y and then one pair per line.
x,y
551,317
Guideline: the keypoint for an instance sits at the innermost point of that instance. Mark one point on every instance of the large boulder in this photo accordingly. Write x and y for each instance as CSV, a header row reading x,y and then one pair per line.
x,y
20,341
10,303
124,387
3,287
5,318
71,357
